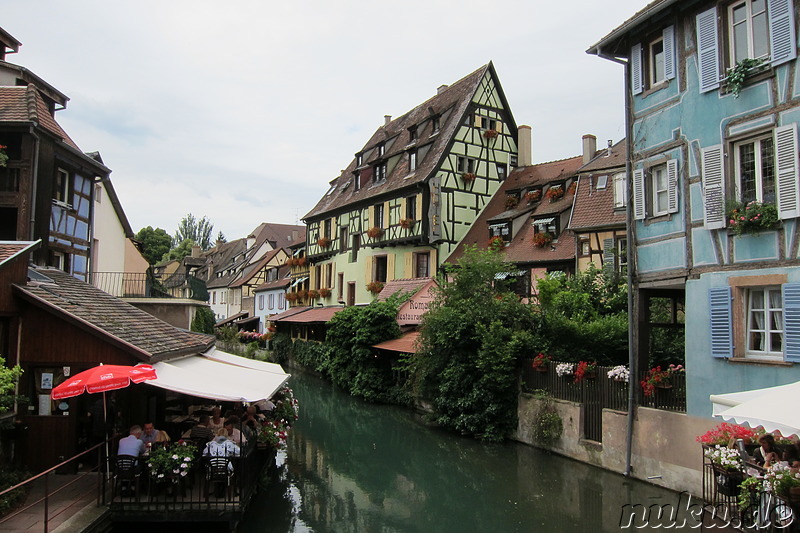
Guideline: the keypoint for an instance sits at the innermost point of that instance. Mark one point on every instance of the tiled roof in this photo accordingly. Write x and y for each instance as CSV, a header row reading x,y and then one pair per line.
x,y
604,162
521,248
594,208
123,324
405,344
231,319
404,285
26,105
309,315
450,104
11,249
282,282
288,313
280,235
252,270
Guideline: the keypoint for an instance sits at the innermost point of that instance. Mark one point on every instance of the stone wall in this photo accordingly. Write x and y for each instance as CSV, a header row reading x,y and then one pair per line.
x,y
664,451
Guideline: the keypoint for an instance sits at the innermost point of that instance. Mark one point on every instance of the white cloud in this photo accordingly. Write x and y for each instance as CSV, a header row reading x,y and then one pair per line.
x,y
244,111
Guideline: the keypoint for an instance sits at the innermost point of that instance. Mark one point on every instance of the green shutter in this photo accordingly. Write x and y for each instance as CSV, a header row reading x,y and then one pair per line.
x,y
721,322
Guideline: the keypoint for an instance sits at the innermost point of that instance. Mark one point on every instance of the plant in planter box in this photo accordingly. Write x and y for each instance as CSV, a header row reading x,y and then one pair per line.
x,y
375,287
724,432
468,177
172,462
511,202
572,187
780,479
540,240
271,434
302,294
619,373
313,294
324,292
490,134
585,370
752,217
565,369
496,243
323,242
727,469
737,74
541,361
291,296
533,196
407,223
656,378
554,193
375,232
301,261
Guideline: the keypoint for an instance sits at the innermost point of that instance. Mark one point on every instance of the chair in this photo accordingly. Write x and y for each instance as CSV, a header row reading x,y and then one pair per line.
x,y
126,476
219,472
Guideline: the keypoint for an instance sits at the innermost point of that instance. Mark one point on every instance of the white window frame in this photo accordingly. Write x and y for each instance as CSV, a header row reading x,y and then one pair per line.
x,y
620,190
767,329
748,22
62,189
656,191
654,78
260,302
759,168
412,160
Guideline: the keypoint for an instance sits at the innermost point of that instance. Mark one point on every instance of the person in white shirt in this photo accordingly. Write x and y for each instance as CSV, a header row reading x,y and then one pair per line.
x,y
222,446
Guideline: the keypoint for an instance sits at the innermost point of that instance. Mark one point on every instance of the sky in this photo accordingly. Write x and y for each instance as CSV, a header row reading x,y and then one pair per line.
x,y
243,111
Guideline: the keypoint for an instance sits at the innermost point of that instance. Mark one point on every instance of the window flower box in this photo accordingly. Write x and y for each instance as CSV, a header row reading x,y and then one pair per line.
x,y
753,217
324,292
656,378
375,232
511,202
496,243
736,75
468,177
407,223
533,196
585,370
554,193
313,294
540,240
323,242
375,287
541,362
490,134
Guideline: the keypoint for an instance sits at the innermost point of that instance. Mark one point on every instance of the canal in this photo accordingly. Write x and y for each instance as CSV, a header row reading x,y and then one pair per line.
x,y
356,467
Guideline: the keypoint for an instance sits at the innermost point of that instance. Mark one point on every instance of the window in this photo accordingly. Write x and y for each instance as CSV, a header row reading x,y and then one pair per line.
x,y
748,30
620,190
356,246
512,160
379,268
62,186
585,248
656,60
412,160
502,170
466,165
660,188
261,301
602,182
214,297
411,207
271,301
622,254
378,216
434,125
357,180
326,228
754,162
546,225
487,123
764,333
381,149
343,234
422,264
412,133
359,160
340,286
281,300
328,275
652,63
379,172
502,229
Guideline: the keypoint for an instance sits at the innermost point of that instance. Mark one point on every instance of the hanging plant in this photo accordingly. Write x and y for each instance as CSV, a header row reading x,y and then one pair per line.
x,y
753,217
313,294
468,177
300,261
540,240
375,232
407,223
3,155
291,296
323,242
496,243
490,134
511,202
375,287
301,295
324,292
735,76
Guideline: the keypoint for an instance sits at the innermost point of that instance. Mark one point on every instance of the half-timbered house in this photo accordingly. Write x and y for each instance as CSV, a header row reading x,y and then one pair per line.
x,y
412,191
712,96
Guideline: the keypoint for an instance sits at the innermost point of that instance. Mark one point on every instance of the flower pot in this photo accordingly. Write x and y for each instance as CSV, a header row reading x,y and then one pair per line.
x,y
663,385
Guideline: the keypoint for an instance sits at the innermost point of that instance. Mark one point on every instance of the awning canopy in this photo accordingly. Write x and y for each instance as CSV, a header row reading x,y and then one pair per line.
x,y
221,376
311,315
405,344
773,408
298,281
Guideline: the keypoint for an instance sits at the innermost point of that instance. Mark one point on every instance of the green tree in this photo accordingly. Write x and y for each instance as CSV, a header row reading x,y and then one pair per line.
x,y
203,321
180,251
8,381
155,243
195,230
472,340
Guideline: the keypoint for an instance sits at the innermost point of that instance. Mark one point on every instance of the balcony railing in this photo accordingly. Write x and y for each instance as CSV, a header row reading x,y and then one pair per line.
x,y
146,285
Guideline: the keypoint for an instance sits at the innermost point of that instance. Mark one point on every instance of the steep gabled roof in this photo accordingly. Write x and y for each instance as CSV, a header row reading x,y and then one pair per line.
x,y
253,269
9,250
25,105
594,207
450,105
282,282
122,324
279,235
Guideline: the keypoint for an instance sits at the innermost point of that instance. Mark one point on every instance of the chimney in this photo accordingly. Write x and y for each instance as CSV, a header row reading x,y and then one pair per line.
x,y
589,147
525,156
608,150
251,240
294,235
210,265
441,89
387,119
195,251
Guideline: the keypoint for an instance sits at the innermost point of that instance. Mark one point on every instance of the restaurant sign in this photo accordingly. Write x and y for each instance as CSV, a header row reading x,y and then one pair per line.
x,y
411,312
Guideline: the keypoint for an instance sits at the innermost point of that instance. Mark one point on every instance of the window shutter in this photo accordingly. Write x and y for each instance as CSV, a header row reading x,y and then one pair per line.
x,y
499,127
402,208
386,213
433,266
721,323
787,169
781,31
368,269
390,262
371,212
408,265
713,187
418,215
707,54
636,69
669,52
638,194
791,322
608,254
672,179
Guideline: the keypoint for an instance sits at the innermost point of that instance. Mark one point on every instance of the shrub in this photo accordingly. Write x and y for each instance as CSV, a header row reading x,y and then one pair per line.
x,y
203,321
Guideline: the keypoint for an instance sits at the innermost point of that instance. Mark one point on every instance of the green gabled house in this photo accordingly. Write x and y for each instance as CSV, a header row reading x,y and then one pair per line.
x,y
411,193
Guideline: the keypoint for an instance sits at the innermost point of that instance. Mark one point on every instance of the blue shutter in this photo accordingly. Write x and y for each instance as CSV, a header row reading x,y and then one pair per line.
x,y
787,171
721,324
707,54
608,254
672,180
781,31
791,322
637,76
713,168
638,195
669,52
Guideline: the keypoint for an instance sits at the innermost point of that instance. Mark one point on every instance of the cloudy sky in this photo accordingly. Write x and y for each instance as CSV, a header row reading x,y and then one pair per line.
x,y
244,110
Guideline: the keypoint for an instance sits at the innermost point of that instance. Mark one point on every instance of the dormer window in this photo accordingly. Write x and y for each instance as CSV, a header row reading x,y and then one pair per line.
x,y
546,225
359,160
379,173
412,133
381,149
435,125
412,160
357,180
502,230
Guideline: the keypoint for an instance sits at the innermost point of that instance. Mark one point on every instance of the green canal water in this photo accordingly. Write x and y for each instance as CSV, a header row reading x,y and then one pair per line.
x,y
356,467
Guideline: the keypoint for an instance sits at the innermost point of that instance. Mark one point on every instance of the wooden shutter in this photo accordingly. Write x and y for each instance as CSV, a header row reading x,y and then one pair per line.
x,y
707,53
669,52
499,127
713,187
781,31
791,322
637,82
787,170
386,213
608,254
672,183
418,215
402,208
368,269
390,263
371,214
408,265
433,266
638,194
721,323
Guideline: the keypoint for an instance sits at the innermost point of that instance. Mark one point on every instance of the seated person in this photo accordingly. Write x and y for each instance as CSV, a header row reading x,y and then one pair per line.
x,y
232,432
222,446
131,445
149,434
217,421
766,455
201,432
791,458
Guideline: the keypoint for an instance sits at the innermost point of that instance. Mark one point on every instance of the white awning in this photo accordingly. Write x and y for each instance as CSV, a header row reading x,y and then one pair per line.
x,y
220,376
543,221
298,281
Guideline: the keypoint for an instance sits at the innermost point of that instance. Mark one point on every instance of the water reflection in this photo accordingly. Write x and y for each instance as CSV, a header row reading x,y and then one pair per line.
x,y
355,467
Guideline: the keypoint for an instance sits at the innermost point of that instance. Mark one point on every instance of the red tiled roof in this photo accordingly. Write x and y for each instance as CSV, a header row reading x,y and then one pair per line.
x,y
405,285
405,344
594,208
11,249
126,326
289,312
311,314
26,105
231,319
282,282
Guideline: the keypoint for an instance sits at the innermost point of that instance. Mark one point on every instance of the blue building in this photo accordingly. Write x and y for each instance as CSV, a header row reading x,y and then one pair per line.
x,y
712,105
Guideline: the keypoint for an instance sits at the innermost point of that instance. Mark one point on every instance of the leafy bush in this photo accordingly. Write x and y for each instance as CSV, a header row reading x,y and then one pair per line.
x,y
8,478
203,321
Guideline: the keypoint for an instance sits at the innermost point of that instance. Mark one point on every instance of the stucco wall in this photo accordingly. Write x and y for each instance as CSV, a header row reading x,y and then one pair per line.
x,y
664,451
177,312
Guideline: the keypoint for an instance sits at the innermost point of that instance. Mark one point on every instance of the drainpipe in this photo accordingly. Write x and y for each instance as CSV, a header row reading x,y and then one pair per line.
x,y
631,257
34,184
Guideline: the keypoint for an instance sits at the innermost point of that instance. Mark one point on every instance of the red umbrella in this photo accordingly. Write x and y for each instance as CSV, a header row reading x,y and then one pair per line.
x,y
103,378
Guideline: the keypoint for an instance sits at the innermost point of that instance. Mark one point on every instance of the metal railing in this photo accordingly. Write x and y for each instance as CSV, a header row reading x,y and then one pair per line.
x,y
82,484
146,285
